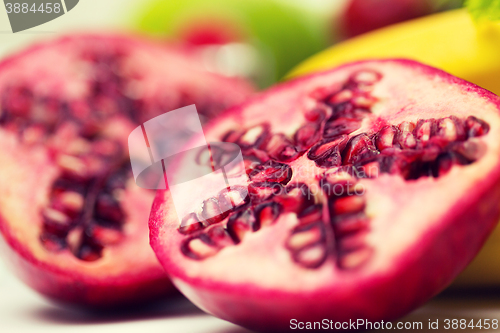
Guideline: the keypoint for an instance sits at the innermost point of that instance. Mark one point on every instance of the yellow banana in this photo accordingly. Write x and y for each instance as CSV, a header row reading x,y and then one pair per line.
x,y
450,41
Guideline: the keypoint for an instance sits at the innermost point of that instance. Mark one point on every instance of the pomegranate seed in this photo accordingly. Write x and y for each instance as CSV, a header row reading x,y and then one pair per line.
x,y
461,134
471,150
72,166
354,259
106,236
75,239
33,134
89,253
363,100
198,248
240,224
405,138
311,214
365,77
251,163
108,208
348,224
445,162
211,212
271,172
359,147
232,136
253,137
190,224
385,137
257,155
118,179
306,235
71,202
315,115
476,127
340,126
406,126
281,148
311,257
368,170
447,129
287,154
342,96
327,148
260,192
425,129
232,198
336,175
348,205
52,243
295,198
342,110
267,213
219,236
307,135
430,153
78,147
55,217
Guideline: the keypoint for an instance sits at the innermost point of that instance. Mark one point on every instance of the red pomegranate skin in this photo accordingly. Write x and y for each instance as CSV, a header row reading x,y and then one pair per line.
x,y
79,235
422,227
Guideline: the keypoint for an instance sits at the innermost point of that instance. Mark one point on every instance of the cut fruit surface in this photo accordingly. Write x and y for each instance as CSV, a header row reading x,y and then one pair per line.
x,y
73,220
392,191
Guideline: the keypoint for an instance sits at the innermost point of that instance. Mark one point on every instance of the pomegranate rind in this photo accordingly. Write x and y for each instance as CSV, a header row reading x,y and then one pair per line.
x,y
424,231
127,272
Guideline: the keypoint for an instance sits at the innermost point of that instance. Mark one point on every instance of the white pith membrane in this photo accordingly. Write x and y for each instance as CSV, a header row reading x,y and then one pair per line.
x,y
157,78
405,216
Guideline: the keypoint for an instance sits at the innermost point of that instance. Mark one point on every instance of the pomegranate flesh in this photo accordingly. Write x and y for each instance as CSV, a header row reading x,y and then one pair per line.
x,y
74,222
367,223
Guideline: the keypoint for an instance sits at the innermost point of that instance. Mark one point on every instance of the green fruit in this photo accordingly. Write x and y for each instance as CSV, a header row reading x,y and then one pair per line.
x,y
279,34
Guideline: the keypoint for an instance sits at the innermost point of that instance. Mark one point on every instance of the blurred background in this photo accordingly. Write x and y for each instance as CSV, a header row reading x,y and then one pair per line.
x,y
258,39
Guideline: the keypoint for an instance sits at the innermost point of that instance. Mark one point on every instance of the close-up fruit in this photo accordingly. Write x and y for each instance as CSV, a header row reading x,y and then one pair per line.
x,y
260,39
370,188
73,221
453,42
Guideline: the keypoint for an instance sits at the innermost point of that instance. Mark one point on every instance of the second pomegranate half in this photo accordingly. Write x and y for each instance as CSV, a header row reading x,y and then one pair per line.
x,y
72,218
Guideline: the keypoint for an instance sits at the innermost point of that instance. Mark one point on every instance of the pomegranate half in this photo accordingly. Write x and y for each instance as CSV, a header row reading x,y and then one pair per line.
x,y
371,186
73,220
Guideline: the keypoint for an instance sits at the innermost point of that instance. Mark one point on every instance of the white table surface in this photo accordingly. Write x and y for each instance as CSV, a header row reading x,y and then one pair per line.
x,y
24,311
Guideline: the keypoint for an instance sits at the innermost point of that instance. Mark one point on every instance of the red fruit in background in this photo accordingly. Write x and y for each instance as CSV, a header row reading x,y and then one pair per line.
x,y
210,32
257,39
367,224
74,221
361,16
